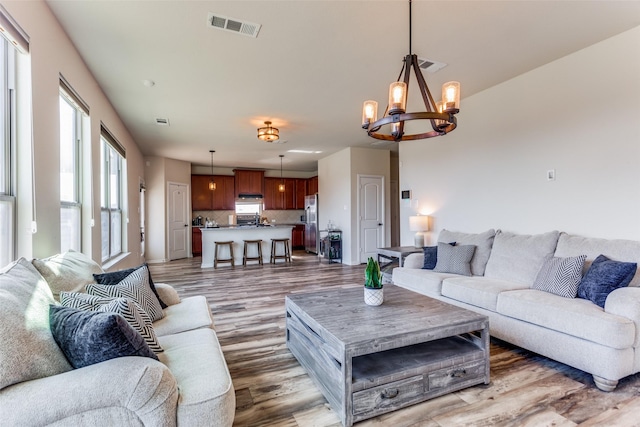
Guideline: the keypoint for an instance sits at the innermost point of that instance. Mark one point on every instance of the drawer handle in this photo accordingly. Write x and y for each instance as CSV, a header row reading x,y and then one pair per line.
x,y
459,373
389,393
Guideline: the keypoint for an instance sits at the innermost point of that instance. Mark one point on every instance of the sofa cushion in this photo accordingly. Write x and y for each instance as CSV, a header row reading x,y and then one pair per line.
x,y
478,291
617,249
518,257
576,317
70,271
135,286
426,282
196,361
87,337
603,277
454,259
430,257
192,313
482,241
127,308
27,350
115,277
560,276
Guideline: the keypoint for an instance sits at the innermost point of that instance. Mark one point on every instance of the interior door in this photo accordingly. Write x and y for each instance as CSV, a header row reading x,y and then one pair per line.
x,y
371,215
178,219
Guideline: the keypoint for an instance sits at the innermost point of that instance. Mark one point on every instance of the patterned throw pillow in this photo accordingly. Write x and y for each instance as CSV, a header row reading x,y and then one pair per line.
x,y
127,308
454,259
79,333
115,277
135,286
560,276
431,256
603,277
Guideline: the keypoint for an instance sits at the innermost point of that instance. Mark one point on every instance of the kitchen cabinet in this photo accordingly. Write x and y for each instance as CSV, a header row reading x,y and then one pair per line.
x,y
301,192
312,185
297,237
248,181
196,241
222,198
276,200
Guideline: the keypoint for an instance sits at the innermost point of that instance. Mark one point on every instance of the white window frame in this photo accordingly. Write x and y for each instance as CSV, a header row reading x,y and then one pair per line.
x,y
7,145
112,184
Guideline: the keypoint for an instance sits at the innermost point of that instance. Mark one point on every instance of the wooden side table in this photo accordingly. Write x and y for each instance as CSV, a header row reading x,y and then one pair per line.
x,y
396,253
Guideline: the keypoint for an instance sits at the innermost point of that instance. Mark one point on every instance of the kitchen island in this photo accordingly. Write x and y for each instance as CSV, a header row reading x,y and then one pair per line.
x,y
238,234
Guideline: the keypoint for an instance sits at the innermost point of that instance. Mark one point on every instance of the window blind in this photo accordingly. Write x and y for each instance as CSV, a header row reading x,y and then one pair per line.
x,y
72,96
112,140
10,30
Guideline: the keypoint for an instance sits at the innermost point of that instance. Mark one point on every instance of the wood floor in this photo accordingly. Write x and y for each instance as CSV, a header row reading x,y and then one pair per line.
x,y
273,390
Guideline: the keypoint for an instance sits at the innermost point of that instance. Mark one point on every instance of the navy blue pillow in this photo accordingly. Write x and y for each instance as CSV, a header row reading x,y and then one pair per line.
x,y
603,277
115,277
431,256
89,337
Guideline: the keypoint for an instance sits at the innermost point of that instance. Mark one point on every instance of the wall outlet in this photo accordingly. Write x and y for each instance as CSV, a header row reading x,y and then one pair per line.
x,y
551,175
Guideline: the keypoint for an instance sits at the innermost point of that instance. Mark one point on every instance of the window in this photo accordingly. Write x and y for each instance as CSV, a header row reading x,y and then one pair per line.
x,y
7,117
111,195
72,111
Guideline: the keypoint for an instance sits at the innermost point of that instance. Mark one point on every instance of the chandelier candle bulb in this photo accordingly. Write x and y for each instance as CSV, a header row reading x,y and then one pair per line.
x,y
397,98
369,113
451,96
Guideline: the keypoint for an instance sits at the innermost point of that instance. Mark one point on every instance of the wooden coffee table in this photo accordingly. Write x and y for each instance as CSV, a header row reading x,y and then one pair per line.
x,y
371,360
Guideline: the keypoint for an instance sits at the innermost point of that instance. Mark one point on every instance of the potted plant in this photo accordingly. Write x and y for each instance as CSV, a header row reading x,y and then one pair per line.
x,y
373,294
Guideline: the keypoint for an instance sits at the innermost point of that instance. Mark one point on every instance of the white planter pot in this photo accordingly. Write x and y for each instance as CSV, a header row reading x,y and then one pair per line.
x,y
373,296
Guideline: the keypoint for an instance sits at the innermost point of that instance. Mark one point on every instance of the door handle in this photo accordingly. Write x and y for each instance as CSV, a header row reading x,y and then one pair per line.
x,y
186,225
379,223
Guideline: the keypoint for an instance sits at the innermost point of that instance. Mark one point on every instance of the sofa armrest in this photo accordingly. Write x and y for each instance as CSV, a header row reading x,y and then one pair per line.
x,y
134,388
625,302
168,295
415,260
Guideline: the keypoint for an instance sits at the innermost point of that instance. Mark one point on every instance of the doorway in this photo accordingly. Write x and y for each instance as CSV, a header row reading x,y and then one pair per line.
x,y
370,215
178,220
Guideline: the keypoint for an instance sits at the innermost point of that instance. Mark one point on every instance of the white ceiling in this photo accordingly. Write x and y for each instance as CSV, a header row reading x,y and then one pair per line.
x,y
311,66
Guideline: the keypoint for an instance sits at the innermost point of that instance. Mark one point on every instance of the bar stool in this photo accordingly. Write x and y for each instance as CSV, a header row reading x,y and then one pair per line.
x,y
217,259
286,255
245,256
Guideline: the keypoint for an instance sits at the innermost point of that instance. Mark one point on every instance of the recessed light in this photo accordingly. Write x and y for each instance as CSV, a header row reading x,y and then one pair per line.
x,y
148,83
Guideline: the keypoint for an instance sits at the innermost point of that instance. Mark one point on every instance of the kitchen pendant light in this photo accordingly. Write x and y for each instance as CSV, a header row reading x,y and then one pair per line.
x,y
212,184
441,115
268,133
281,186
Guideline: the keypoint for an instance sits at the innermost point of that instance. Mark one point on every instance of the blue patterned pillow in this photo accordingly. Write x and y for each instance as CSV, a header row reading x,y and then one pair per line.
x,y
115,277
454,259
88,337
431,256
603,277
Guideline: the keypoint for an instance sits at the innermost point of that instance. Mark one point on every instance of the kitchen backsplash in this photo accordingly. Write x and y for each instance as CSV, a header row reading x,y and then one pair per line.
x,y
280,217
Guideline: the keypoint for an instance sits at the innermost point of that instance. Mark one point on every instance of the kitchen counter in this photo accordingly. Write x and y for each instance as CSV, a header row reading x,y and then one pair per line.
x,y
237,234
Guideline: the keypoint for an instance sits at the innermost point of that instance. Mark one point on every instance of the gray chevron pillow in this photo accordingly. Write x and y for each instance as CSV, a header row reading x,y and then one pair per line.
x,y
560,276
135,286
454,259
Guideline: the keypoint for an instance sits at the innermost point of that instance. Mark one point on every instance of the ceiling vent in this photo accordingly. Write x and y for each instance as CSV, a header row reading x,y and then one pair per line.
x,y
233,25
162,122
430,65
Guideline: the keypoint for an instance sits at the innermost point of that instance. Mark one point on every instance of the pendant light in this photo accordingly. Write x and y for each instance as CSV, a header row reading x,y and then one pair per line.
x,y
440,115
212,184
281,186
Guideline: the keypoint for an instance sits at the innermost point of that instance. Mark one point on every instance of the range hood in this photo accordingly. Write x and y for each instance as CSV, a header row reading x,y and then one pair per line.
x,y
249,196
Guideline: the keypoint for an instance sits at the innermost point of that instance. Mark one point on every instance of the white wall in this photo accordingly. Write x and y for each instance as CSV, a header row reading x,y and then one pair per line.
x,y
579,115
53,53
338,192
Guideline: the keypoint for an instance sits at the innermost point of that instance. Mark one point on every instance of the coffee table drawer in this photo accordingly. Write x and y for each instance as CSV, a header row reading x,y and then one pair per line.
x,y
388,396
449,378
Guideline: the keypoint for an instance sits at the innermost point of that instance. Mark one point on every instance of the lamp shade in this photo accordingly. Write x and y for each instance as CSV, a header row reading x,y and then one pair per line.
x,y
419,223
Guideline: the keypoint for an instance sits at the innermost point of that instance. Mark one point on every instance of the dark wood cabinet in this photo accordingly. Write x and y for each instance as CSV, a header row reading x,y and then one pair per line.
x,y
297,237
301,192
274,199
312,185
222,198
196,241
248,181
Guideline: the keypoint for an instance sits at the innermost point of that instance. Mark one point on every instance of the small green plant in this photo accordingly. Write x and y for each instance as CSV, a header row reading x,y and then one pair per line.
x,y
372,275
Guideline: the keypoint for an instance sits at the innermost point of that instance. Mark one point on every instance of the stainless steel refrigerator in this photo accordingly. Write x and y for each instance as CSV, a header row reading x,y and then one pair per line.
x,y
311,223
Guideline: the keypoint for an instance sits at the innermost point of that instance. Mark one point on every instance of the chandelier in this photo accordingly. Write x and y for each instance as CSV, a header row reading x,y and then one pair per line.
x,y
441,114
268,133
212,184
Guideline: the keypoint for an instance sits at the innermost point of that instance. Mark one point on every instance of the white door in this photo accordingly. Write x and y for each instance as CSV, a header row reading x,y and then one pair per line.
x,y
371,215
178,219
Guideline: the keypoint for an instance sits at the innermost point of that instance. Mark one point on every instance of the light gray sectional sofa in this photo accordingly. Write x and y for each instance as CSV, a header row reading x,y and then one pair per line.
x,y
189,385
603,341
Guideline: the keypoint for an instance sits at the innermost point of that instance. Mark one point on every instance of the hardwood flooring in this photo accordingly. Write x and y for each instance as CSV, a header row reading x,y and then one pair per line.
x,y
272,389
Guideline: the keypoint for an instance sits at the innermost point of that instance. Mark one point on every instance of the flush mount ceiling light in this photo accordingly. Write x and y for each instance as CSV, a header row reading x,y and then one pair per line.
x,y
281,186
440,114
212,184
268,133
